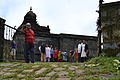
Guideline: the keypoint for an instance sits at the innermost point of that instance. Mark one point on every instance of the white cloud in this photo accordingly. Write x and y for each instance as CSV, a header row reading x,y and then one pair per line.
x,y
63,16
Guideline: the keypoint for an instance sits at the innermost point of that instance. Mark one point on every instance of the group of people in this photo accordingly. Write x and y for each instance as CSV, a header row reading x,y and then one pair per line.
x,y
48,53
80,53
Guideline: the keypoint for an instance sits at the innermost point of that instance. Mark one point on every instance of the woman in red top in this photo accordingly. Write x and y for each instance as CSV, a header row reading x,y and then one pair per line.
x,y
29,43
55,55
76,54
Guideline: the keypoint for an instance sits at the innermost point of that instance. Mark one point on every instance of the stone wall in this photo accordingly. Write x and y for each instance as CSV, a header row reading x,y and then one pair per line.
x,y
71,41
2,21
111,24
63,42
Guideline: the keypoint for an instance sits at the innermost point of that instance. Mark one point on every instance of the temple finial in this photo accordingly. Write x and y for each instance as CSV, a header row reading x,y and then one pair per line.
x,y
30,8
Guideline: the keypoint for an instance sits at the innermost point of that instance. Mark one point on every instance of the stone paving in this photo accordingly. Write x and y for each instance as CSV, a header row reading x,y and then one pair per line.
x,y
59,69
20,75
36,66
42,78
79,71
63,73
53,65
73,67
30,70
63,79
7,74
41,70
51,73
36,72
7,64
2,73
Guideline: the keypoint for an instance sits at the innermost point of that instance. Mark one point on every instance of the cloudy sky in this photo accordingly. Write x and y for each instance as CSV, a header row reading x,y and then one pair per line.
x,y
63,16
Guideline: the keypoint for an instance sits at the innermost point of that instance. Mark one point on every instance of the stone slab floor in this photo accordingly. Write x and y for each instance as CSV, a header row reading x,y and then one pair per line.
x,y
42,71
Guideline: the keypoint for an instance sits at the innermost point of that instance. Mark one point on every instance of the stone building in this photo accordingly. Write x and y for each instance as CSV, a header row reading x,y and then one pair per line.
x,y
65,42
111,24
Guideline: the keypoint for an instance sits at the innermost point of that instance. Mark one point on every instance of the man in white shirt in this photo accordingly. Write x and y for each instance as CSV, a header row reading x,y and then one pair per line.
x,y
40,49
79,50
84,51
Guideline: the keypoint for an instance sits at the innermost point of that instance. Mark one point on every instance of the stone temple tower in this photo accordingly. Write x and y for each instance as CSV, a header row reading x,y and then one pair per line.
x,y
39,31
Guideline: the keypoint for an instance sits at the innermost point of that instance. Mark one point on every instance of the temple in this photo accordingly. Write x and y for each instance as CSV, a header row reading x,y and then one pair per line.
x,y
64,42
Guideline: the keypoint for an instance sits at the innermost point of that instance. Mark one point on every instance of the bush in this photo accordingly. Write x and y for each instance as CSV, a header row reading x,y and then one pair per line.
x,y
111,52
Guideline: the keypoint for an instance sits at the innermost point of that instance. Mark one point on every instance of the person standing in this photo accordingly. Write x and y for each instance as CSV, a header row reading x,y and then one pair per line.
x,y
83,52
39,48
79,50
72,54
76,54
43,54
64,56
86,49
59,56
51,53
55,54
13,49
29,43
47,49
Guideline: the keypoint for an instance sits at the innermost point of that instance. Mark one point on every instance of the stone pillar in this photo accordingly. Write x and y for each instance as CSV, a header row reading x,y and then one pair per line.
x,y
2,21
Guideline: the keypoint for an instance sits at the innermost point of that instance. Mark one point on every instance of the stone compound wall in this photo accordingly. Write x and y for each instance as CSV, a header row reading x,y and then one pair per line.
x,y
71,43
63,43
38,40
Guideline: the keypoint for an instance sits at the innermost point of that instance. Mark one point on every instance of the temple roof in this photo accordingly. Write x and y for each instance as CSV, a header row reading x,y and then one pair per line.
x,y
30,17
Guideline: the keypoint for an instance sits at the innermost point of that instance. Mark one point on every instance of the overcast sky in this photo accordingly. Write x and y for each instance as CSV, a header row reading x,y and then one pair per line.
x,y
63,16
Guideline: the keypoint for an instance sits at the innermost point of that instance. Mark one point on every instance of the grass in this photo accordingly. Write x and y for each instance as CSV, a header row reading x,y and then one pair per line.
x,y
92,70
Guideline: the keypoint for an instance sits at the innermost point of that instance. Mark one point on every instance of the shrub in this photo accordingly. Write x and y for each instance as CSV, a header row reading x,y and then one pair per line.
x,y
111,52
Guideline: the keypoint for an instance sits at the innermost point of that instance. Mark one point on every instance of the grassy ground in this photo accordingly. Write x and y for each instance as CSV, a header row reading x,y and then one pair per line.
x,y
99,68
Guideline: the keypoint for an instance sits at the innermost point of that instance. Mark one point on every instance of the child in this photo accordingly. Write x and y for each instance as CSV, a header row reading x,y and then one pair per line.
x,y
72,55
60,56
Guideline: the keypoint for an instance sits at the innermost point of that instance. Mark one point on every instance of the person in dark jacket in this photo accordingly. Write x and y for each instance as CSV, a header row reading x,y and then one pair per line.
x,y
43,55
86,50
51,53
29,43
